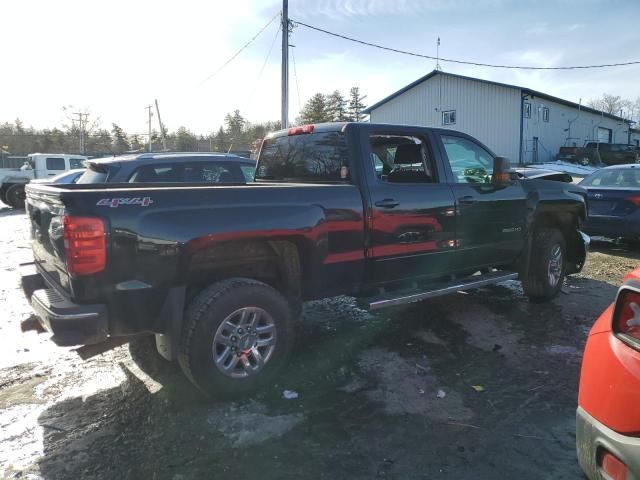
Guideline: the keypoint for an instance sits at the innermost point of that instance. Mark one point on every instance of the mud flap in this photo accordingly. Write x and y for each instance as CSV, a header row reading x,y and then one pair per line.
x,y
171,321
577,249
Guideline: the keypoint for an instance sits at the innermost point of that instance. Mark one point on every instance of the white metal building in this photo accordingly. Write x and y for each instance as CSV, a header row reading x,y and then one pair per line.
x,y
521,124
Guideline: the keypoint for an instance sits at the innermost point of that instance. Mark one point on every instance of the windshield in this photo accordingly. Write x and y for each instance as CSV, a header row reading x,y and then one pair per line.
x,y
618,177
317,157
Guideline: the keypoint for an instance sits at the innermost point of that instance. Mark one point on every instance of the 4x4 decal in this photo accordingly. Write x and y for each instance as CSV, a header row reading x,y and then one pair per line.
x,y
116,202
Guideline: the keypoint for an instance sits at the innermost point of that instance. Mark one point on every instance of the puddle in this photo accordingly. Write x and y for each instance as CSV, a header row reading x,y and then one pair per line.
x,y
409,387
250,424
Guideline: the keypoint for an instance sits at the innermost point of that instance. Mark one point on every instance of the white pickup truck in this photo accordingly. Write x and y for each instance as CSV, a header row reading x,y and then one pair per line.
x,y
38,165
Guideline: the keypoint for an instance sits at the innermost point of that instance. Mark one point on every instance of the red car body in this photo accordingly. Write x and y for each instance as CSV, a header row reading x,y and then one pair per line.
x,y
608,415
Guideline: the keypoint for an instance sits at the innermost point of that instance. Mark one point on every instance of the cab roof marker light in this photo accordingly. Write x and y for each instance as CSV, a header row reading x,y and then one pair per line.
x,y
304,129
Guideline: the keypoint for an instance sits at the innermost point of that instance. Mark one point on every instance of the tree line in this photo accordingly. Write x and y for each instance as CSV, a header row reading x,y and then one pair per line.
x,y
333,107
237,134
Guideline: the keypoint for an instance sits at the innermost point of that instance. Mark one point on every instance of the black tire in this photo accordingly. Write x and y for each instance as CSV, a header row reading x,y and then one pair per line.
x,y
538,284
204,317
3,195
15,196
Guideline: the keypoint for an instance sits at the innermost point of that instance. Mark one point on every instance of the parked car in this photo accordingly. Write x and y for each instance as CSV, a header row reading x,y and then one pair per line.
x,y
615,153
614,202
219,273
170,168
608,418
71,176
38,165
544,174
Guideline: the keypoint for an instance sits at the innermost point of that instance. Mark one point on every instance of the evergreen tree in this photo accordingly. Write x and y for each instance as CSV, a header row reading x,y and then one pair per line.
x,y
356,105
185,140
315,110
120,142
136,143
235,126
337,107
221,143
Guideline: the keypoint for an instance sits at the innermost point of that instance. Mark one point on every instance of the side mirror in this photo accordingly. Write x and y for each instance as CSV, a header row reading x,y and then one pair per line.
x,y
502,173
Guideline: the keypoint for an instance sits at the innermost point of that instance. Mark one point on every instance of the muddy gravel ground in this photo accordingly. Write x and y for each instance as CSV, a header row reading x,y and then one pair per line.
x,y
475,385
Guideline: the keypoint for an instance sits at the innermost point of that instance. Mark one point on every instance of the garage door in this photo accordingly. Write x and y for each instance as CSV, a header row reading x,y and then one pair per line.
x,y
604,135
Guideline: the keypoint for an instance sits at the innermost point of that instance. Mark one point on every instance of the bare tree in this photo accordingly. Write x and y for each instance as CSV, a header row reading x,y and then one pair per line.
x,y
612,104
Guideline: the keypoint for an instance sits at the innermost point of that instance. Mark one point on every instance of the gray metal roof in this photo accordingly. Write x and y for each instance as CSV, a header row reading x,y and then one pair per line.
x,y
528,91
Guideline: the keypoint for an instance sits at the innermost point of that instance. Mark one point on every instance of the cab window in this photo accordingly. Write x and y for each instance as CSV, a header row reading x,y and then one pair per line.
x,y
470,163
401,159
76,163
55,163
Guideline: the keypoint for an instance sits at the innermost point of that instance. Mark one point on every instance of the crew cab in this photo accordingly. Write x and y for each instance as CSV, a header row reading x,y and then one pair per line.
x,y
390,214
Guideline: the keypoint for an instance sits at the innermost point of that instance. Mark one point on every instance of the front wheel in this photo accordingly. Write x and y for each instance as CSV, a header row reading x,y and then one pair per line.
x,y
15,196
238,334
547,265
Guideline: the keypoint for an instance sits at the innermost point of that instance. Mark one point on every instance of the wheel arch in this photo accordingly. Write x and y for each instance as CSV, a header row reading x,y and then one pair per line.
x,y
278,263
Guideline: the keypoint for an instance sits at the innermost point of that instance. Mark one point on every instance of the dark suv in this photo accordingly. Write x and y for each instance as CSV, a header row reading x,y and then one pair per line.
x,y
615,153
170,168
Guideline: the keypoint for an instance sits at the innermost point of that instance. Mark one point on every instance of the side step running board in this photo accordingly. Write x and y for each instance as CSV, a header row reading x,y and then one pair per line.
x,y
400,297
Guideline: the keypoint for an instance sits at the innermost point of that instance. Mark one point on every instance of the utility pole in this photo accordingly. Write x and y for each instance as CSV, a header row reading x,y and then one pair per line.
x,y
438,55
164,139
284,117
148,108
82,124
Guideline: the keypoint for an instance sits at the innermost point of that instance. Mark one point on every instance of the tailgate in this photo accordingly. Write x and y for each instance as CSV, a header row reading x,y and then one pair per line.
x,y
45,212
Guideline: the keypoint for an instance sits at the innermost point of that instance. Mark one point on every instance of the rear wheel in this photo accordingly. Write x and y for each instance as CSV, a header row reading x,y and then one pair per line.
x,y
3,195
547,265
15,196
237,336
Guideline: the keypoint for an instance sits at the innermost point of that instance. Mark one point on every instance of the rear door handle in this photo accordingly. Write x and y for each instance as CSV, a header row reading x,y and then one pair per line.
x,y
467,199
387,203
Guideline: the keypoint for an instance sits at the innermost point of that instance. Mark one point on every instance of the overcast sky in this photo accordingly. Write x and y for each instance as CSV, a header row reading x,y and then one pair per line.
x,y
113,58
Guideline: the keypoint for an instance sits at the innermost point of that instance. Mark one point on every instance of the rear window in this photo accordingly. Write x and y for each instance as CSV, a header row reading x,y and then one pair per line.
x,y
94,174
55,163
200,172
617,177
316,157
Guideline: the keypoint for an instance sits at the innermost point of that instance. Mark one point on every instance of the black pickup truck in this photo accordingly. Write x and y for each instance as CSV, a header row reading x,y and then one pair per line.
x,y
389,214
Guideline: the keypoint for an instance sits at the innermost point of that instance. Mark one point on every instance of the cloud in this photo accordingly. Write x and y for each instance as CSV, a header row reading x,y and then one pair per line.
x,y
347,9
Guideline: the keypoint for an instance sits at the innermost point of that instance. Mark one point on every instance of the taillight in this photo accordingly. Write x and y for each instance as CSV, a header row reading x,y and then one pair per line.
x,y
612,467
626,315
635,199
300,130
84,245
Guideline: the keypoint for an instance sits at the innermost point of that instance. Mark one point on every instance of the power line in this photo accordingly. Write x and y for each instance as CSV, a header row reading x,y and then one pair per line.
x,y
295,75
241,49
257,79
477,64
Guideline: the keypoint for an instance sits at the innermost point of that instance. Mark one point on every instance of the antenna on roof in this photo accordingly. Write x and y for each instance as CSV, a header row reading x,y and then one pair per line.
x,y
438,67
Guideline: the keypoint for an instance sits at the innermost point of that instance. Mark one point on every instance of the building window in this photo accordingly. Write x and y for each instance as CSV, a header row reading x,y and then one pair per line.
x,y
545,114
527,110
449,117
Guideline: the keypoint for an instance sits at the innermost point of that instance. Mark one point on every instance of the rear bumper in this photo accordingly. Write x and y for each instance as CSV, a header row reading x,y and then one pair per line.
x,y
69,323
592,436
610,226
